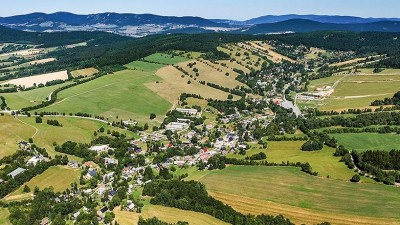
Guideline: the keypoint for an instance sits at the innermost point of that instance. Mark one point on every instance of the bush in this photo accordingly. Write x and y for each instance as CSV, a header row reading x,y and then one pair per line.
x,y
356,178
39,119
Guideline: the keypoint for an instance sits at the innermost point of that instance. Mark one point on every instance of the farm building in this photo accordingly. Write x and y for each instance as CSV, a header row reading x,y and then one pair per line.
x,y
14,173
191,112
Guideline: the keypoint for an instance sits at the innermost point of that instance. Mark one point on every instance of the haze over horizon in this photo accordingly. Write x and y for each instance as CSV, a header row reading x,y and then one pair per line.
x,y
232,9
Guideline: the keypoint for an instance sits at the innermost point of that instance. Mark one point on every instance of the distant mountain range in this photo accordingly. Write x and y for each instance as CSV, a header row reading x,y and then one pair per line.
x,y
138,25
317,18
302,25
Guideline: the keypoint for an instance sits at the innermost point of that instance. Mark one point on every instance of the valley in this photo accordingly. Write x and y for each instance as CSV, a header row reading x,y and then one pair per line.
x,y
98,128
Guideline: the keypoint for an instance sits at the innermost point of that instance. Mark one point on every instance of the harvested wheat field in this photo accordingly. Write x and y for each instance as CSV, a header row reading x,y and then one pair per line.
x,y
39,79
168,214
84,72
42,61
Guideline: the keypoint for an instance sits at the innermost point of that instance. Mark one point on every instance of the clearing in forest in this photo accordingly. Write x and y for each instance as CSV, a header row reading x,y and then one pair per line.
x,y
84,72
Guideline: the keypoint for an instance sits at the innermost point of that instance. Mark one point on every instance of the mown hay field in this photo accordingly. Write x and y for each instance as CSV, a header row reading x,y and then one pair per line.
x,y
302,197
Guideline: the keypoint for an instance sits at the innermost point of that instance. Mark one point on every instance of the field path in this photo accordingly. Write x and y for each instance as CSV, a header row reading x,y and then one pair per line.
x,y
36,130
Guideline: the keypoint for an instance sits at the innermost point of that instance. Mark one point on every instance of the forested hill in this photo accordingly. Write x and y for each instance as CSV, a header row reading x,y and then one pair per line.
x,y
105,49
57,38
302,25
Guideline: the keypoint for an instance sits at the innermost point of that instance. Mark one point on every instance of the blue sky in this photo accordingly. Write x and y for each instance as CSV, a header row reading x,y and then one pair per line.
x,y
230,9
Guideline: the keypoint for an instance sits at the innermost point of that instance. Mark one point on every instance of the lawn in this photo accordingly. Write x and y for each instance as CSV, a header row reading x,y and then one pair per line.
x,y
369,141
321,161
165,58
302,197
58,177
120,96
167,214
12,131
73,129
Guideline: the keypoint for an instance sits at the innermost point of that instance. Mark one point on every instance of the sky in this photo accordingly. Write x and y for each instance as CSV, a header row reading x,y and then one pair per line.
x,y
211,9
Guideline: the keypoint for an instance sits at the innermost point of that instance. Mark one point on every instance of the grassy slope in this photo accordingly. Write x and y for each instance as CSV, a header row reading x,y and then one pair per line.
x,y
22,99
294,192
12,131
321,161
212,75
172,85
122,94
369,141
58,177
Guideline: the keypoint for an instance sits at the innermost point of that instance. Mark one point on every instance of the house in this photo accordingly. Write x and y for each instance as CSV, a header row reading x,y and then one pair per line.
x,y
23,145
101,212
45,221
88,191
34,160
75,215
90,164
73,164
108,177
109,161
100,148
112,193
130,123
91,173
14,173
101,189
277,101
130,206
182,120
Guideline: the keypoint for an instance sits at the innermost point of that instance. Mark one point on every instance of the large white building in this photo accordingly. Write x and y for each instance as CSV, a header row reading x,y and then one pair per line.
x,y
100,148
174,126
192,112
